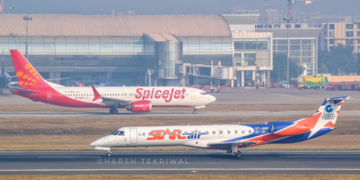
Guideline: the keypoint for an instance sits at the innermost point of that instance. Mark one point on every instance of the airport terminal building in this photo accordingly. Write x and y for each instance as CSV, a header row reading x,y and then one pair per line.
x,y
140,49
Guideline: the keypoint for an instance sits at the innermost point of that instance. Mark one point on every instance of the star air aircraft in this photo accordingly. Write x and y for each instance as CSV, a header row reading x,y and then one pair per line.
x,y
135,99
227,137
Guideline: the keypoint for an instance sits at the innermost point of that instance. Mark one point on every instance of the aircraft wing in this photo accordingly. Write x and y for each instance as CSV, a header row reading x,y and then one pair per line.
x,y
108,100
240,144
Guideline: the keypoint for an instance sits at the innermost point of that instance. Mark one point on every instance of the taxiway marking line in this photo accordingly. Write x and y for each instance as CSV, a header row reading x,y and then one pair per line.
x,y
186,169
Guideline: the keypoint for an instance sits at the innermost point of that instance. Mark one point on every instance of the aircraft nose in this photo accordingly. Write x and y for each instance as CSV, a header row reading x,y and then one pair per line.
x,y
212,98
98,142
93,144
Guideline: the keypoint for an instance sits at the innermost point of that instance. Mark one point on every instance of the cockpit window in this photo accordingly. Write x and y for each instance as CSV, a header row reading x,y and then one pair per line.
x,y
115,132
203,93
121,133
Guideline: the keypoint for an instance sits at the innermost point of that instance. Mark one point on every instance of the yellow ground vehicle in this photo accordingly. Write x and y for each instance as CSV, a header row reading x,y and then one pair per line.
x,y
313,83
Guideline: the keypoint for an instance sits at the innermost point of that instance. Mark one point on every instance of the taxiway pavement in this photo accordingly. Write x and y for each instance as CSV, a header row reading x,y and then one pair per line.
x,y
170,113
180,162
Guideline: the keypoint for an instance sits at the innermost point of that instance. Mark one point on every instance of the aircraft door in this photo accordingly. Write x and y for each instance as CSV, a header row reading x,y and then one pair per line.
x,y
133,135
192,95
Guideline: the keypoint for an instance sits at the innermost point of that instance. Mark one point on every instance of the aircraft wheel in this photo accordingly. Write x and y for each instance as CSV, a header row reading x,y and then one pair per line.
x,y
195,111
116,111
108,154
111,111
238,154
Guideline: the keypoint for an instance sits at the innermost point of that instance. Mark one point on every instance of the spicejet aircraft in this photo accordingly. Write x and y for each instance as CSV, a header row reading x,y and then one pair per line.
x,y
135,99
227,137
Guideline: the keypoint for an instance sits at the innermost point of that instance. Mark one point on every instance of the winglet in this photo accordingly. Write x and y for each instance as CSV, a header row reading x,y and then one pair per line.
x,y
96,94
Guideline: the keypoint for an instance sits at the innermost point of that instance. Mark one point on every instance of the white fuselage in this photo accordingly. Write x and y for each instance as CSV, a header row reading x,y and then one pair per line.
x,y
192,136
159,96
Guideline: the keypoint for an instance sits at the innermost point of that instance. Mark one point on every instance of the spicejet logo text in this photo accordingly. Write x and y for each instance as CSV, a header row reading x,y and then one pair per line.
x,y
157,94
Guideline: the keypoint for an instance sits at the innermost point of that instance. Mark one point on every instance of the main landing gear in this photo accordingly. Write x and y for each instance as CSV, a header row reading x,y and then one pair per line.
x,y
235,151
238,154
113,111
195,111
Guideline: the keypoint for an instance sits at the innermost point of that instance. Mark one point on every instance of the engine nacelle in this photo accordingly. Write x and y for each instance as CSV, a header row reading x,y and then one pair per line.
x,y
288,128
140,106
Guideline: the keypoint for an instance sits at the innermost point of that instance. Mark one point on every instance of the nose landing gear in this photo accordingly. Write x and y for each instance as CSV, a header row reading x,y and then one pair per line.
x,y
197,107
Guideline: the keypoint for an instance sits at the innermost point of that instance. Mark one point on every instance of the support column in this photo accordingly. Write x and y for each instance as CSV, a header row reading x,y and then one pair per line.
x,y
238,75
242,79
263,78
253,76
268,78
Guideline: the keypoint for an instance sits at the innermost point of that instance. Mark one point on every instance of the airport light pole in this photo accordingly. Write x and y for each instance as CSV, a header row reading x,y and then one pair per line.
x,y
26,19
287,20
287,60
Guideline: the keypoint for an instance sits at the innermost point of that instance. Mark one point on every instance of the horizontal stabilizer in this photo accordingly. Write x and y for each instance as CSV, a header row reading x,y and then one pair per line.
x,y
338,98
13,89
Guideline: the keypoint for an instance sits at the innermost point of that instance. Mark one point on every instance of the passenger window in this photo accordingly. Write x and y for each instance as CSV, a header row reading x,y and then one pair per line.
x,y
243,132
236,131
220,132
149,133
249,131
171,133
143,134
229,132
207,132
214,132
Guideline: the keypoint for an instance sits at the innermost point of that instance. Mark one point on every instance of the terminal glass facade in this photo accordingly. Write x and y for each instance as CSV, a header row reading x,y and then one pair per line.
x,y
76,45
302,51
203,50
249,51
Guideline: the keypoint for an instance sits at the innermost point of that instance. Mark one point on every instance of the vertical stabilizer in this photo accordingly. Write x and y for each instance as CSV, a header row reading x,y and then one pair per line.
x,y
327,114
26,74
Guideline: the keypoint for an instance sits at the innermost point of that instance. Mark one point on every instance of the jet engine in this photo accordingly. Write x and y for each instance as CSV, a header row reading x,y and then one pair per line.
x,y
140,106
288,128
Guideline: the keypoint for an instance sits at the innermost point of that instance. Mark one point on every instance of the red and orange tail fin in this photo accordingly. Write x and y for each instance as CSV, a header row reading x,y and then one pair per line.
x,y
27,75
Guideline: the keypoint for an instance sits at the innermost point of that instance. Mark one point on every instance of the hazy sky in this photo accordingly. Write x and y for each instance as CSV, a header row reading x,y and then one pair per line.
x,y
345,7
